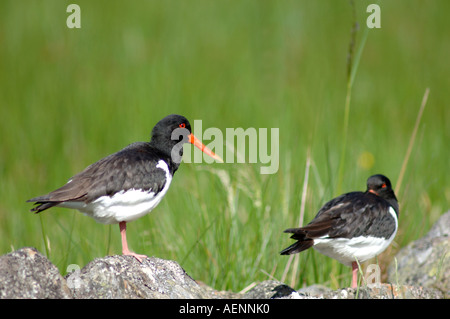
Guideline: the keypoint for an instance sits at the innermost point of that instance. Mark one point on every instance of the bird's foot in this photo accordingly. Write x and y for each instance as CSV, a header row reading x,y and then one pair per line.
x,y
139,257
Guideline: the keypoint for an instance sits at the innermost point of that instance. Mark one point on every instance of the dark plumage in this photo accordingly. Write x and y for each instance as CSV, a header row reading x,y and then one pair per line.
x,y
353,226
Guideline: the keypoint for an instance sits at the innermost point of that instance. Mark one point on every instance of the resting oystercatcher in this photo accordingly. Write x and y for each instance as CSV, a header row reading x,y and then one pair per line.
x,y
353,227
127,185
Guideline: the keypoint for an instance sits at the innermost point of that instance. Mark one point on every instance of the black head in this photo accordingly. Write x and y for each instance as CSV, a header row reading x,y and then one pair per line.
x,y
169,135
165,127
169,132
380,185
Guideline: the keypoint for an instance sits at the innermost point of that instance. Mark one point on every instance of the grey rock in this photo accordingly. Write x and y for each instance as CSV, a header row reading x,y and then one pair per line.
x,y
265,290
384,291
219,294
115,277
425,262
314,291
26,273
269,289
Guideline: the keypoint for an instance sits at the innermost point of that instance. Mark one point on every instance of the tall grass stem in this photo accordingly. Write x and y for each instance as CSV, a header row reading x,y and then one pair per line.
x,y
411,141
352,68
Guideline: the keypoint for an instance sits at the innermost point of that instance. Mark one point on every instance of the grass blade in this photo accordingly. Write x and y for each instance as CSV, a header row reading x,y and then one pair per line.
x,y
411,141
352,67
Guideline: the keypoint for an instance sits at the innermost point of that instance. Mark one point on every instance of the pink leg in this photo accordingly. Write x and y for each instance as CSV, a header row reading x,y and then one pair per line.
x,y
355,274
125,250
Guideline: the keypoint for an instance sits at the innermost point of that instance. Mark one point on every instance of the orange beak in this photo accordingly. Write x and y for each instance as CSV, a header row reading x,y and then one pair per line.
x,y
372,191
203,148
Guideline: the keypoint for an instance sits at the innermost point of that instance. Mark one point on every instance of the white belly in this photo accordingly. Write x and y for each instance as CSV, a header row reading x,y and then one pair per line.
x,y
347,250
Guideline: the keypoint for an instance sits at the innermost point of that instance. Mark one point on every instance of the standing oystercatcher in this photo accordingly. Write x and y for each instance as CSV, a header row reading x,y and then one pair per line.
x,y
127,185
353,227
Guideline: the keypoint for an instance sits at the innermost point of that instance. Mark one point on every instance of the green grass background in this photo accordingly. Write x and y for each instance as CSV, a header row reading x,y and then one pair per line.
x,y
69,97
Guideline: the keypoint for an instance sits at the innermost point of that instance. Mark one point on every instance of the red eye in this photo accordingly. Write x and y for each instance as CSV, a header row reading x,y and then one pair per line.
x,y
384,185
182,125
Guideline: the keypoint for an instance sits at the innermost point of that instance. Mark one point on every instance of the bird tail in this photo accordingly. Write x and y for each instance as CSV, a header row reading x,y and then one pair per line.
x,y
303,241
42,204
297,247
